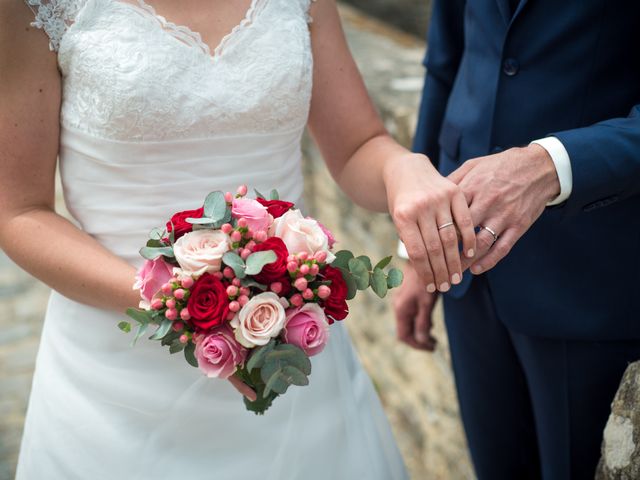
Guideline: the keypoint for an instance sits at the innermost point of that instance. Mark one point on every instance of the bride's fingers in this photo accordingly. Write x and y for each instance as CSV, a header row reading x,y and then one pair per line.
x,y
412,238
449,239
243,388
433,245
464,222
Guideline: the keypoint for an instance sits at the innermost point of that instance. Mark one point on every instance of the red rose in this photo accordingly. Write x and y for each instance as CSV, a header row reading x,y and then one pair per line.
x,y
276,208
179,221
275,271
335,306
208,303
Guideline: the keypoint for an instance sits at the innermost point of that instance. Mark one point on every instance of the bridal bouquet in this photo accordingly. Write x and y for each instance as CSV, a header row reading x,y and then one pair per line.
x,y
249,287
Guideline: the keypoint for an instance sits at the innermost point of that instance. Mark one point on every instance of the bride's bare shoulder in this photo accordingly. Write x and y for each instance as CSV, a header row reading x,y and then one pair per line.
x,y
23,48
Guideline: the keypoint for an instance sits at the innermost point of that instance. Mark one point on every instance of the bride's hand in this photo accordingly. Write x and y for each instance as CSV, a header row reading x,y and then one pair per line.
x,y
243,388
427,209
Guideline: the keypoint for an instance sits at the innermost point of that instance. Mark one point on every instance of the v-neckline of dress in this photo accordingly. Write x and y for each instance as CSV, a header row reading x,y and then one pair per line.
x,y
193,38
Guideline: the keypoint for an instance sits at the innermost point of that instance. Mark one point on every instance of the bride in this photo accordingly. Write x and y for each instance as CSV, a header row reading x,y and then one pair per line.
x,y
146,116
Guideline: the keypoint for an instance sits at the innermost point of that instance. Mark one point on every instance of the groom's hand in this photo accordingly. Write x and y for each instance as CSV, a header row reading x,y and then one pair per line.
x,y
413,307
507,192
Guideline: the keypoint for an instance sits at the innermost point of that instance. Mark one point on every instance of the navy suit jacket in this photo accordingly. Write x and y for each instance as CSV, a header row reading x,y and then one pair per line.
x,y
568,68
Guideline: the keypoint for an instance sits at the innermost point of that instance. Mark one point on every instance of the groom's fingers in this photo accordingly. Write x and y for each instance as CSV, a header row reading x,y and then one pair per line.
x,y
497,252
458,175
423,323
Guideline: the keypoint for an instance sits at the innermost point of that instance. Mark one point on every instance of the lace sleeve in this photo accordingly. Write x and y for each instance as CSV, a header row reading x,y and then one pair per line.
x,y
307,7
54,17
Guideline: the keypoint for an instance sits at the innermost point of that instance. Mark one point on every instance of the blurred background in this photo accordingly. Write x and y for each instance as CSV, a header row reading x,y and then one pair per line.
x,y
386,38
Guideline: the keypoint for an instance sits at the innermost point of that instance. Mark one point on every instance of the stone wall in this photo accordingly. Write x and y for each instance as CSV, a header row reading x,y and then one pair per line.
x,y
416,388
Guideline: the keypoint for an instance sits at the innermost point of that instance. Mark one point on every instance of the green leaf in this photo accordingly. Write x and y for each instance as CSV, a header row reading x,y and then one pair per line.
x,y
153,243
360,273
352,287
394,278
256,261
295,376
125,327
288,354
140,316
248,282
225,219
259,195
176,347
367,261
342,259
162,330
170,337
215,206
200,221
142,329
153,253
258,356
157,234
233,260
274,195
379,283
277,383
384,262
190,354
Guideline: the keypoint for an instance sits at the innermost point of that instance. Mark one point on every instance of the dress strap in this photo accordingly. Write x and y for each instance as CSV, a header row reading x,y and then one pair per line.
x,y
54,17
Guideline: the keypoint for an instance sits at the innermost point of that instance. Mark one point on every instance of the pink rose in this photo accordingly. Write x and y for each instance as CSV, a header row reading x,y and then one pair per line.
x,y
301,234
257,216
261,319
219,354
330,237
150,278
307,328
201,251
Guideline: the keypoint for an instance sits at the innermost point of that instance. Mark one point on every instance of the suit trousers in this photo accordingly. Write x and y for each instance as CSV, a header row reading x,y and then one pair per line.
x,y
532,408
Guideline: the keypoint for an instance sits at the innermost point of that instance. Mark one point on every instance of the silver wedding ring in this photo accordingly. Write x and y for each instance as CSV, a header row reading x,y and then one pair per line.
x,y
445,225
493,234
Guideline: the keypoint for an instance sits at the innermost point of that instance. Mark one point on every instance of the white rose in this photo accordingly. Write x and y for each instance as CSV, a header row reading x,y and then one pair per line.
x,y
201,251
301,234
261,319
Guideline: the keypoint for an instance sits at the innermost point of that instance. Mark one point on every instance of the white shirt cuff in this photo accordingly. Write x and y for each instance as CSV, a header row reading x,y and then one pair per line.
x,y
402,251
561,160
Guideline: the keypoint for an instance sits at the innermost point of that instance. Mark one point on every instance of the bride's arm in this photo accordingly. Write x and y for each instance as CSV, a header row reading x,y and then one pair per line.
x,y
374,170
31,233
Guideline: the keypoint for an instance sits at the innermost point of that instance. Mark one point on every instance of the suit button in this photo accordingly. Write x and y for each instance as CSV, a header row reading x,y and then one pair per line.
x,y
510,67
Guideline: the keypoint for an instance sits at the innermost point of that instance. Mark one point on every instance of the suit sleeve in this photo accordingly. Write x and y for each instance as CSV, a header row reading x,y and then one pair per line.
x,y
444,51
605,161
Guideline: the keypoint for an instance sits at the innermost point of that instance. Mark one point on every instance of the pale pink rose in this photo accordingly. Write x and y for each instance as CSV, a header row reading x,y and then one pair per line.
x,y
307,328
219,354
257,216
331,239
201,251
301,234
150,278
261,319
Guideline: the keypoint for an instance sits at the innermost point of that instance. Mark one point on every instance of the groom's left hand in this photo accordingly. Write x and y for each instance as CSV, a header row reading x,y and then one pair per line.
x,y
506,192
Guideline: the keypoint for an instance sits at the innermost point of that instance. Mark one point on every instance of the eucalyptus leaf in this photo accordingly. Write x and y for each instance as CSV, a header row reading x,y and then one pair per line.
x,y
258,356
256,261
140,316
384,262
162,330
157,234
248,282
379,283
277,383
274,195
142,329
170,337
153,253
367,261
394,278
235,262
125,327
292,355
360,273
295,376
225,219
154,243
215,206
342,259
268,369
176,347
259,195
200,221
190,354
352,288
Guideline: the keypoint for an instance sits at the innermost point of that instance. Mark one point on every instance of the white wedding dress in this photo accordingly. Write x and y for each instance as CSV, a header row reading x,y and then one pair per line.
x,y
151,122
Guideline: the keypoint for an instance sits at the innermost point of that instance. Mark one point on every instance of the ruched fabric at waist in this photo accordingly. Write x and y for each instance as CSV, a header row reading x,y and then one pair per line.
x,y
118,191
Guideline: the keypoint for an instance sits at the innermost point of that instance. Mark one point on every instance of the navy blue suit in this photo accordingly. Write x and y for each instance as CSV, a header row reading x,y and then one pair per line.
x,y
540,342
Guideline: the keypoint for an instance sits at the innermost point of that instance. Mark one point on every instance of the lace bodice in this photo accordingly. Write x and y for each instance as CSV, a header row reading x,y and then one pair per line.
x,y
131,75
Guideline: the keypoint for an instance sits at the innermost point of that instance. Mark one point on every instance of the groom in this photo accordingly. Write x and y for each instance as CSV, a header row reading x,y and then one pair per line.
x,y
540,342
